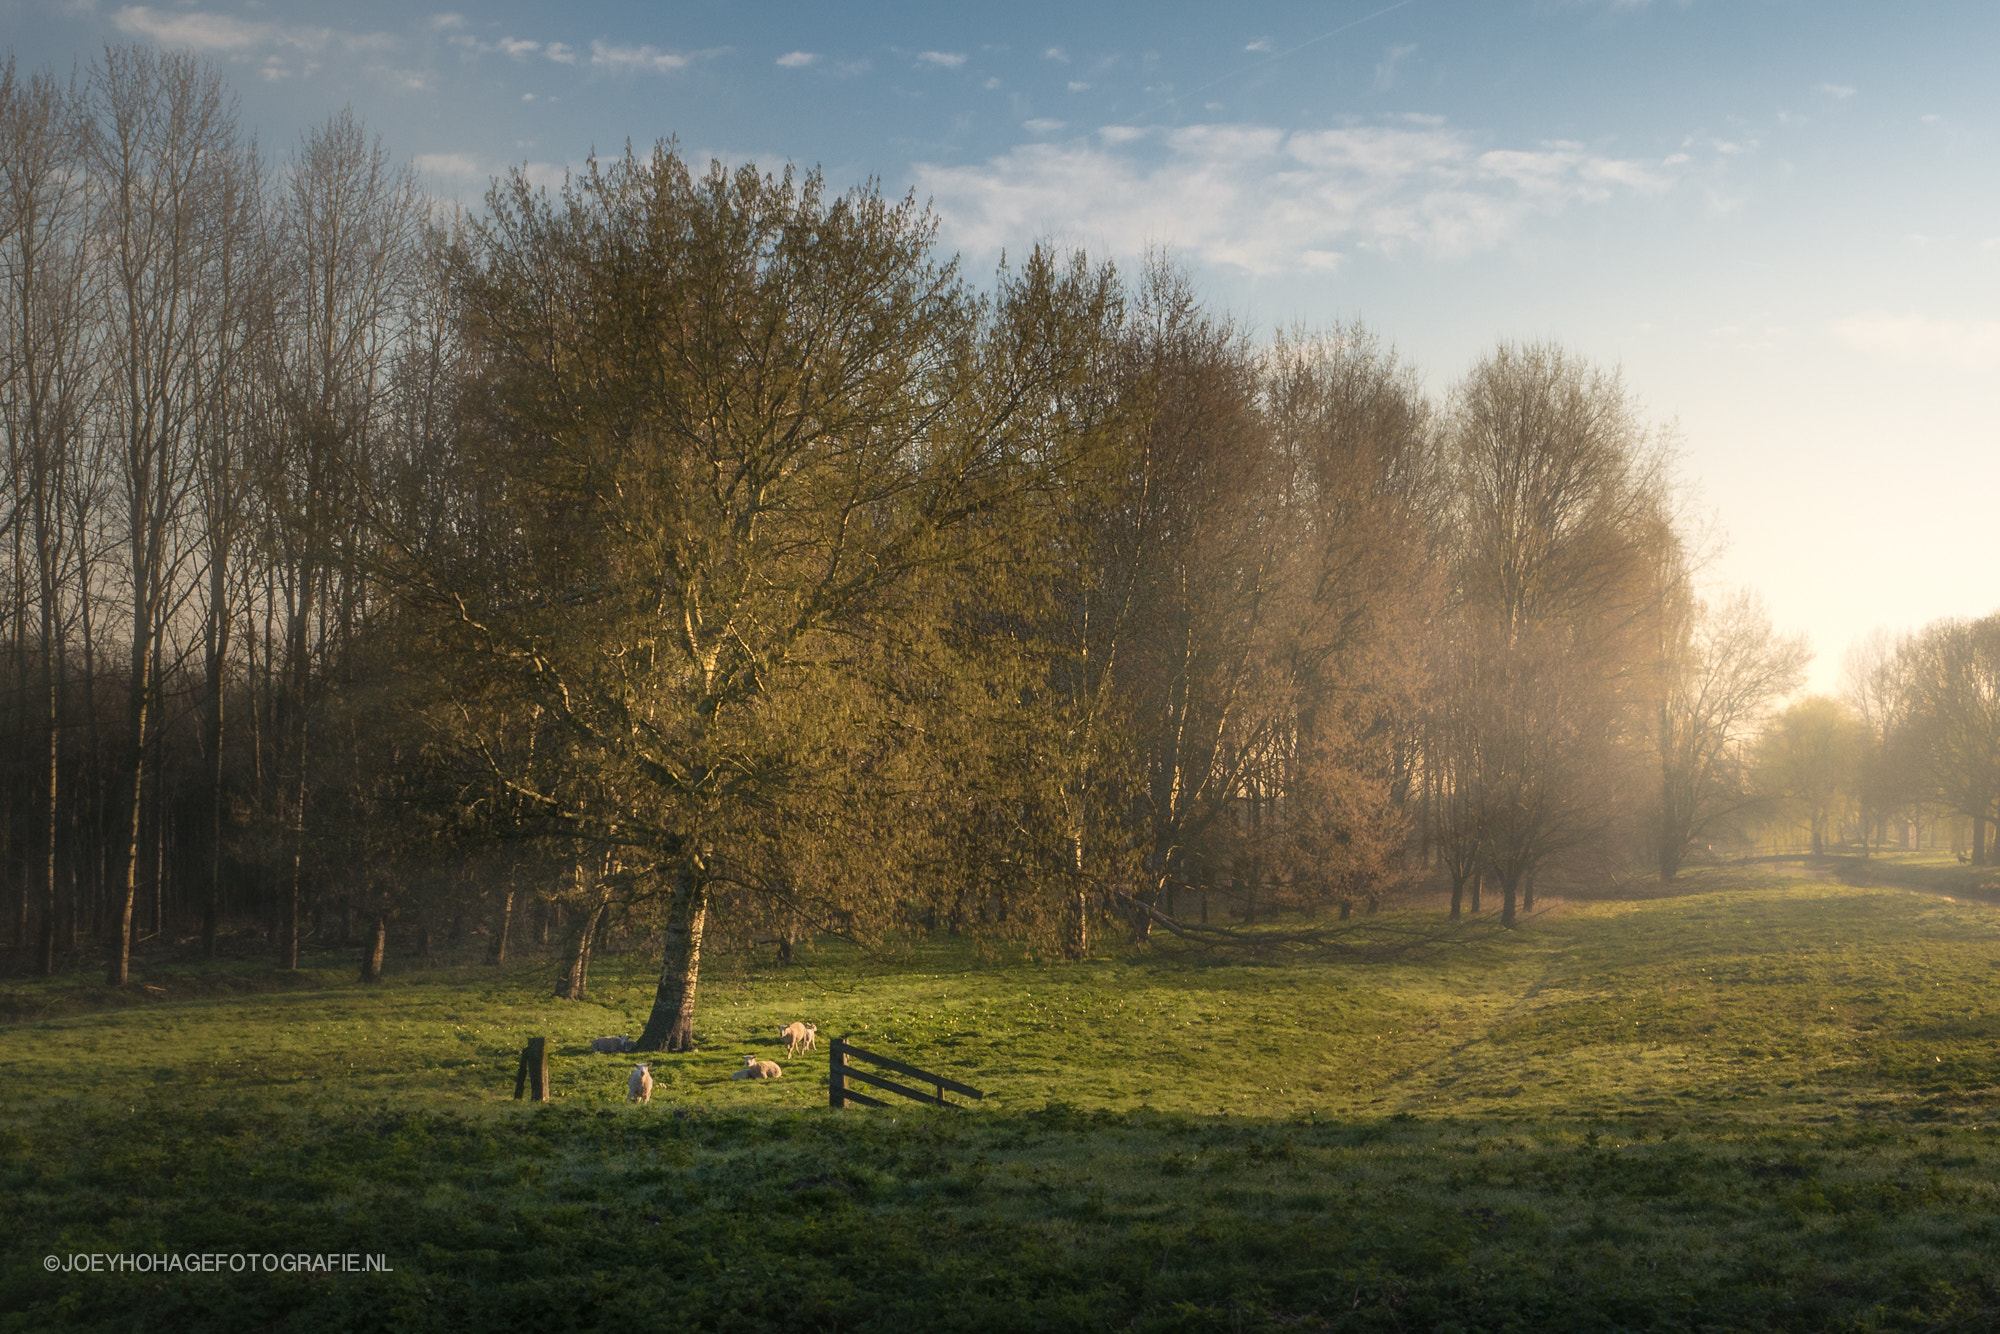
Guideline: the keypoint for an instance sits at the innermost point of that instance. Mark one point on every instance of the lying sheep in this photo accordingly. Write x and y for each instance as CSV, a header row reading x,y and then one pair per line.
x,y
756,1069
640,1087
613,1045
798,1036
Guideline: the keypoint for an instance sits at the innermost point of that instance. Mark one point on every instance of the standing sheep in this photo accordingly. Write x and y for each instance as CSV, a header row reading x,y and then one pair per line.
x,y
640,1087
797,1037
756,1069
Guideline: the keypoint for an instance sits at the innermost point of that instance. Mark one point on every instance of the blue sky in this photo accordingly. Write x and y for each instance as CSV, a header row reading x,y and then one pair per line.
x,y
1782,220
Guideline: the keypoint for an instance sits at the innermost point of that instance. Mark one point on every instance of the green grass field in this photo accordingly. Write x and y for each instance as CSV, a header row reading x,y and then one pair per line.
x,y
1761,1102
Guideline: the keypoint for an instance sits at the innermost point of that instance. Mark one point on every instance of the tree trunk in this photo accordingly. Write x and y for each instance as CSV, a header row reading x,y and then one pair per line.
x,y
1508,885
497,954
1457,895
576,977
371,958
671,1025
1478,884
1528,892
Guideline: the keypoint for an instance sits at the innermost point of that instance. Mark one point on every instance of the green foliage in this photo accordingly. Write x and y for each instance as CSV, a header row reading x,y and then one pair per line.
x,y
1759,1103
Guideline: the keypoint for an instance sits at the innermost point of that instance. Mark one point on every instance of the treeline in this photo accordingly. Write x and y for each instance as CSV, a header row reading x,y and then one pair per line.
x,y
1911,743
700,553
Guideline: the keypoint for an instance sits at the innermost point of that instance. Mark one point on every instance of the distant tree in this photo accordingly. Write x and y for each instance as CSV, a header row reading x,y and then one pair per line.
x,y
1874,684
1809,759
1724,670
1952,723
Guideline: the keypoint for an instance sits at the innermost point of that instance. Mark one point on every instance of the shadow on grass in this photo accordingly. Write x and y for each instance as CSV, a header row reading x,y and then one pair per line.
x,y
1057,1219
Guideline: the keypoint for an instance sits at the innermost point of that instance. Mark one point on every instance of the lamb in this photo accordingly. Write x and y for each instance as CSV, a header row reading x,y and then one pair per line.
x,y
797,1037
614,1045
756,1069
640,1087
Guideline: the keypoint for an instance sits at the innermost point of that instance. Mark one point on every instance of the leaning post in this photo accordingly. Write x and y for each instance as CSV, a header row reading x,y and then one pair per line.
x,y
836,1082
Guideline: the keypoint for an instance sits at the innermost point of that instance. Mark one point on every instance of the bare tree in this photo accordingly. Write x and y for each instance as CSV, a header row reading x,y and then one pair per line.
x,y
166,148
348,246
1722,673
47,368
1952,724
1564,535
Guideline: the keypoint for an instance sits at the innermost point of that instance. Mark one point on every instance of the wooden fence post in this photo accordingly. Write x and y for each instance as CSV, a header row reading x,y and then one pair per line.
x,y
836,1077
534,1069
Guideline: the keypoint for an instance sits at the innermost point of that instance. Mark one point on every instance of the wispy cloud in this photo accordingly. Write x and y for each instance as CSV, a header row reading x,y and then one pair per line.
x,y
1041,125
1261,44
1923,338
1390,65
1839,92
941,59
796,59
1268,201
637,59
227,34
1056,53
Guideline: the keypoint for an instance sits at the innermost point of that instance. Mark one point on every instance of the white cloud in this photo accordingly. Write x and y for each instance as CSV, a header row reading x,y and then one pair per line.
x,y
941,59
1077,87
991,83
1041,125
456,166
1267,200
1923,338
447,22
226,34
1261,44
508,46
643,59
796,59
1839,92
560,52
1056,53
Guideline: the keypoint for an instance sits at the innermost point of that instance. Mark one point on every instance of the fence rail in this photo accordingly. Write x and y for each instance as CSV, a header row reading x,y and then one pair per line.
x,y
840,1072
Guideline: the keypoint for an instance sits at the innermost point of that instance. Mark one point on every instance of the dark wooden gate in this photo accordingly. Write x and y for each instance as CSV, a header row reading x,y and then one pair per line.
x,y
840,1072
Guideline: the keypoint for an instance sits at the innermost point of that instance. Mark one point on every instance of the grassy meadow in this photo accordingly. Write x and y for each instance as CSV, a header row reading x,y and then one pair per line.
x,y
1765,1100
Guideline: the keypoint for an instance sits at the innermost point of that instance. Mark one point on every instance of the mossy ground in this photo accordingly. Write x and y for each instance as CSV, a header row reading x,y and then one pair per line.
x,y
1761,1101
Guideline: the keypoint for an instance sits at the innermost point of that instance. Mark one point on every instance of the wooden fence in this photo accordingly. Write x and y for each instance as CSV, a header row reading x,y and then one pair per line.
x,y
840,1072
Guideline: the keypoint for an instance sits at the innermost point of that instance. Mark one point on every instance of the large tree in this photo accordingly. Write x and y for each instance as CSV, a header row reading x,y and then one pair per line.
x,y
733,426
1564,550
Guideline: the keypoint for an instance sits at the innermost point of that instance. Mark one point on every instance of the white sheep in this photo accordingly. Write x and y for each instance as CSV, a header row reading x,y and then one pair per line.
x,y
798,1037
614,1045
756,1069
640,1087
